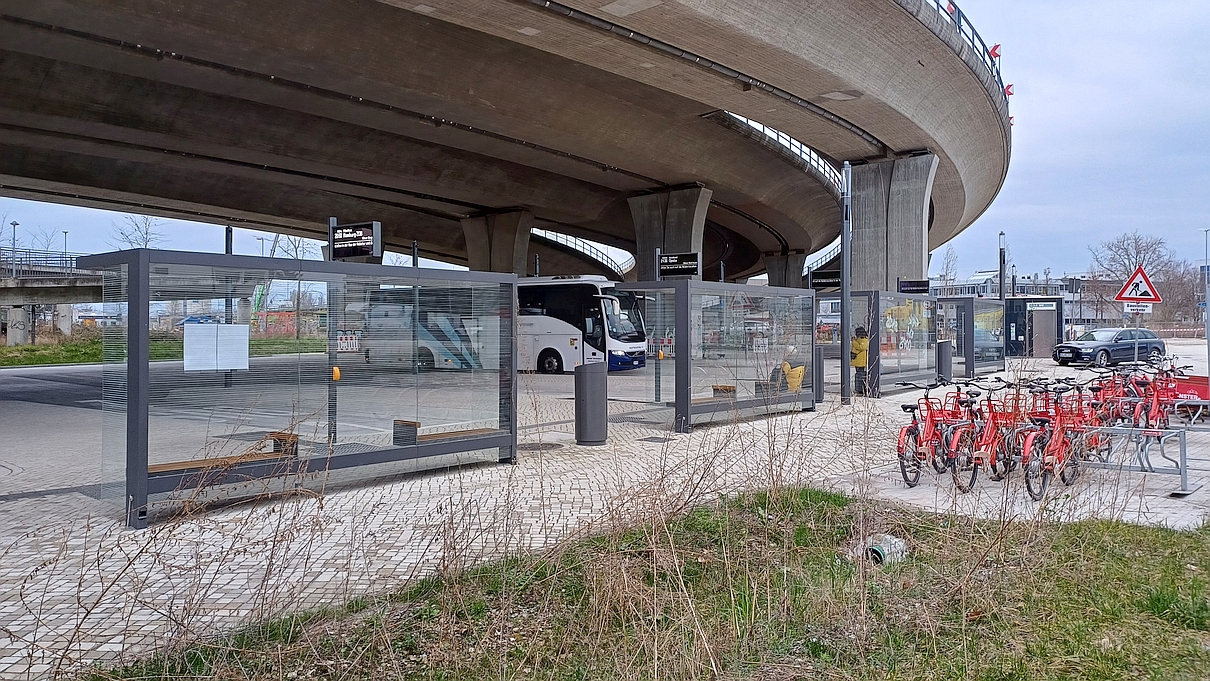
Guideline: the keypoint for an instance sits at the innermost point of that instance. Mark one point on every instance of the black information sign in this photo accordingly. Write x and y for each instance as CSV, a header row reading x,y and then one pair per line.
x,y
914,286
680,264
359,240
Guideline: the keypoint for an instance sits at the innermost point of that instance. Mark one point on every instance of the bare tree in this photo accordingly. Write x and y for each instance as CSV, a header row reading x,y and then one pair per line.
x,y
1115,260
44,239
136,231
299,248
949,266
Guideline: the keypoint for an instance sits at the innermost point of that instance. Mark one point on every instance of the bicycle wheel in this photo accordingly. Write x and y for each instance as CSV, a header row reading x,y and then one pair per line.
x,y
963,467
1094,447
909,461
1037,476
938,455
1000,463
1069,467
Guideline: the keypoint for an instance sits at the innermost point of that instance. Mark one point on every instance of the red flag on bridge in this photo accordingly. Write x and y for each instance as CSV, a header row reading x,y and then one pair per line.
x,y
949,7
1008,90
1010,121
995,51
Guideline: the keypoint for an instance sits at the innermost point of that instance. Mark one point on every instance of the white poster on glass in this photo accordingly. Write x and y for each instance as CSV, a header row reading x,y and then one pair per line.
x,y
216,347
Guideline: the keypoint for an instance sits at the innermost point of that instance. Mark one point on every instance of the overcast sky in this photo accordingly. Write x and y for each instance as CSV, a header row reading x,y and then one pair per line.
x,y
1112,113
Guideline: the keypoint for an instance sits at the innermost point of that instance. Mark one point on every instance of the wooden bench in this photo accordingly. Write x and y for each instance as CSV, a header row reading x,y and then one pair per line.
x,y
284,443
216,462
429,437
727,391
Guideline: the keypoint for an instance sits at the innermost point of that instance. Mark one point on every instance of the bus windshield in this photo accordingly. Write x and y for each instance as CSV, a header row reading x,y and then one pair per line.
x,y
622,317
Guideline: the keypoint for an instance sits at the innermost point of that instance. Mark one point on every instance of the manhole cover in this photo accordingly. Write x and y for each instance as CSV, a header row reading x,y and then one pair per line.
x,y
537,446
655,439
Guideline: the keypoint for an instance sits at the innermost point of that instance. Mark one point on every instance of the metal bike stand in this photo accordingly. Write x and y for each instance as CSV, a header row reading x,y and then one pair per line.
x,y
1142,439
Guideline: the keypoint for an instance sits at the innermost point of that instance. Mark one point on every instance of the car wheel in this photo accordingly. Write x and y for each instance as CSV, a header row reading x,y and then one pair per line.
x,y
1155,355
1103,358
1063,362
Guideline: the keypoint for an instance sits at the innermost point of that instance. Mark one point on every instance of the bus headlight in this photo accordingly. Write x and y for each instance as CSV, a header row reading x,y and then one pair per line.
x,y
617,353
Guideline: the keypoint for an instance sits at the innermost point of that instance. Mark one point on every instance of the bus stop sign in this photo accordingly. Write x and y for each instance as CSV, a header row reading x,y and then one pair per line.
x,y
680,265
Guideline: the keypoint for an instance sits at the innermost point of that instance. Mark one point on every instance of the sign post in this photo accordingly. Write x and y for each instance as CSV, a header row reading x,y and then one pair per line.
x,y
1138,294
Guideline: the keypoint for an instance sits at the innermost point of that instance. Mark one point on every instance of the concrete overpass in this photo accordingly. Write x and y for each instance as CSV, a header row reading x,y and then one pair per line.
x,y
464,123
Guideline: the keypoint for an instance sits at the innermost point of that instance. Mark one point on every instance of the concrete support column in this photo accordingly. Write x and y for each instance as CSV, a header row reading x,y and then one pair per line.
x,y
672,221
499,242
890,221
18,326
786,270
63,319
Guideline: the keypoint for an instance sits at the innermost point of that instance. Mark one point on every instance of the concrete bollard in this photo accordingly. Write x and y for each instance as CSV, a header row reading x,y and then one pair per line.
x,y
945,360
592,403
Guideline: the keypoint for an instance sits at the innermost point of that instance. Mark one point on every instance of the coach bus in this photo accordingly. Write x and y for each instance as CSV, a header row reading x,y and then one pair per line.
x,y
566,321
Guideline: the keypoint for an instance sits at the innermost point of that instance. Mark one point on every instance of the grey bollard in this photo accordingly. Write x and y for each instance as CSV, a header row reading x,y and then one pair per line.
x,y
945,360
817,373
592,403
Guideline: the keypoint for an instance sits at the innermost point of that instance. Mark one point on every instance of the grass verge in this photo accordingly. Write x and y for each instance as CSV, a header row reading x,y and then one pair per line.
x,y
763,587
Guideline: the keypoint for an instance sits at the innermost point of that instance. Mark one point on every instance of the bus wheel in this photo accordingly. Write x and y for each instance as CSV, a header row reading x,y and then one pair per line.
x,y
425,360
549,362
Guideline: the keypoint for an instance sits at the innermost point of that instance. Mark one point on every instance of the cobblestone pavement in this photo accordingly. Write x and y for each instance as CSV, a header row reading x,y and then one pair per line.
x,y
77,588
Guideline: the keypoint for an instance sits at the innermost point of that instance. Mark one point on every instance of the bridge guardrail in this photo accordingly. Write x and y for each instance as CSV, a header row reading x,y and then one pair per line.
x,y
28,263
586,247
952,13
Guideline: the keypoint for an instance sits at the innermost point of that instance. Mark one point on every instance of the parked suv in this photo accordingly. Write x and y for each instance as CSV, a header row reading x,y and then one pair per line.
x,y
1109,346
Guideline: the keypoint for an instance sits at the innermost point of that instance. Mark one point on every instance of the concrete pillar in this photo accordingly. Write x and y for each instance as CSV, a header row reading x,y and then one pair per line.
x,y
63,319
890,221
18,326
786,270
672,221
243,311
499,242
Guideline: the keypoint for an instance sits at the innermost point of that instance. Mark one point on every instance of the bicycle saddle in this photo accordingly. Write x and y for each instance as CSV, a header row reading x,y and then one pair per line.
x,y
1096,389
1040,420
973,393
964,403
1060,389
909,408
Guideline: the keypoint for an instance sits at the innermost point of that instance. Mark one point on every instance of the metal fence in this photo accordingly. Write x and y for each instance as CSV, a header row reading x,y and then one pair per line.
x,y
27,263
952,13
807,154
587,248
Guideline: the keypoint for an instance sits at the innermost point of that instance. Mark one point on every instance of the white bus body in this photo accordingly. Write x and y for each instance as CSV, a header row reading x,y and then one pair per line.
x,y
567,321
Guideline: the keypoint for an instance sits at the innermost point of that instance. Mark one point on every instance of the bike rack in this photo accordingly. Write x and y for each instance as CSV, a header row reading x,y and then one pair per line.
x,y
1142,439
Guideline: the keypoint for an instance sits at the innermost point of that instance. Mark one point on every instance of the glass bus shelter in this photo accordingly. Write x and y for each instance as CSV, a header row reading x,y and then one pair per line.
x,y
234,369
720,351
976,328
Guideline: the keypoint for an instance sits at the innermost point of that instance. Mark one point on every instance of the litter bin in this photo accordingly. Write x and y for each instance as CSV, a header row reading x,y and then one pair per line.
x,y
592,403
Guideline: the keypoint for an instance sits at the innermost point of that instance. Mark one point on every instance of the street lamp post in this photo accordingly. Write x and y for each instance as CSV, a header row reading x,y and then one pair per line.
x,y
261,239
1206,288
1001,280
14,249
65,260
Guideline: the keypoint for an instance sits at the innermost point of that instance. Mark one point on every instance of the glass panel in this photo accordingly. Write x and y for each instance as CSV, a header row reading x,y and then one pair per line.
x,y
907,338
951,326
113,322
648,395
989,333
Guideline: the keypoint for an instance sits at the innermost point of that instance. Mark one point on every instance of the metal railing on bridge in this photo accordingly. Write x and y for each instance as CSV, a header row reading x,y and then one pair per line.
x,y
27,263
952,13
587,248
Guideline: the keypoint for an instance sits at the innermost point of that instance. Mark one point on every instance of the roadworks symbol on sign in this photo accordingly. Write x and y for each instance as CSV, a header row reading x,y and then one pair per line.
x,y
1138,289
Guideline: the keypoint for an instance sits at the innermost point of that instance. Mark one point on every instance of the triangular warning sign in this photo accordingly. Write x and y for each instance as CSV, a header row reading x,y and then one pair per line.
x,y
1138,289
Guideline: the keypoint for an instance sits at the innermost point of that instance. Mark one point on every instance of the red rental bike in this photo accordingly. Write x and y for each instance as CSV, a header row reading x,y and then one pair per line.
x,y
930,437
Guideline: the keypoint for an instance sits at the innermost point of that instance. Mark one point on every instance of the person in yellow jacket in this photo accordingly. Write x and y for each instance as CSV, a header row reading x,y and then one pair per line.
x,y
859,354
